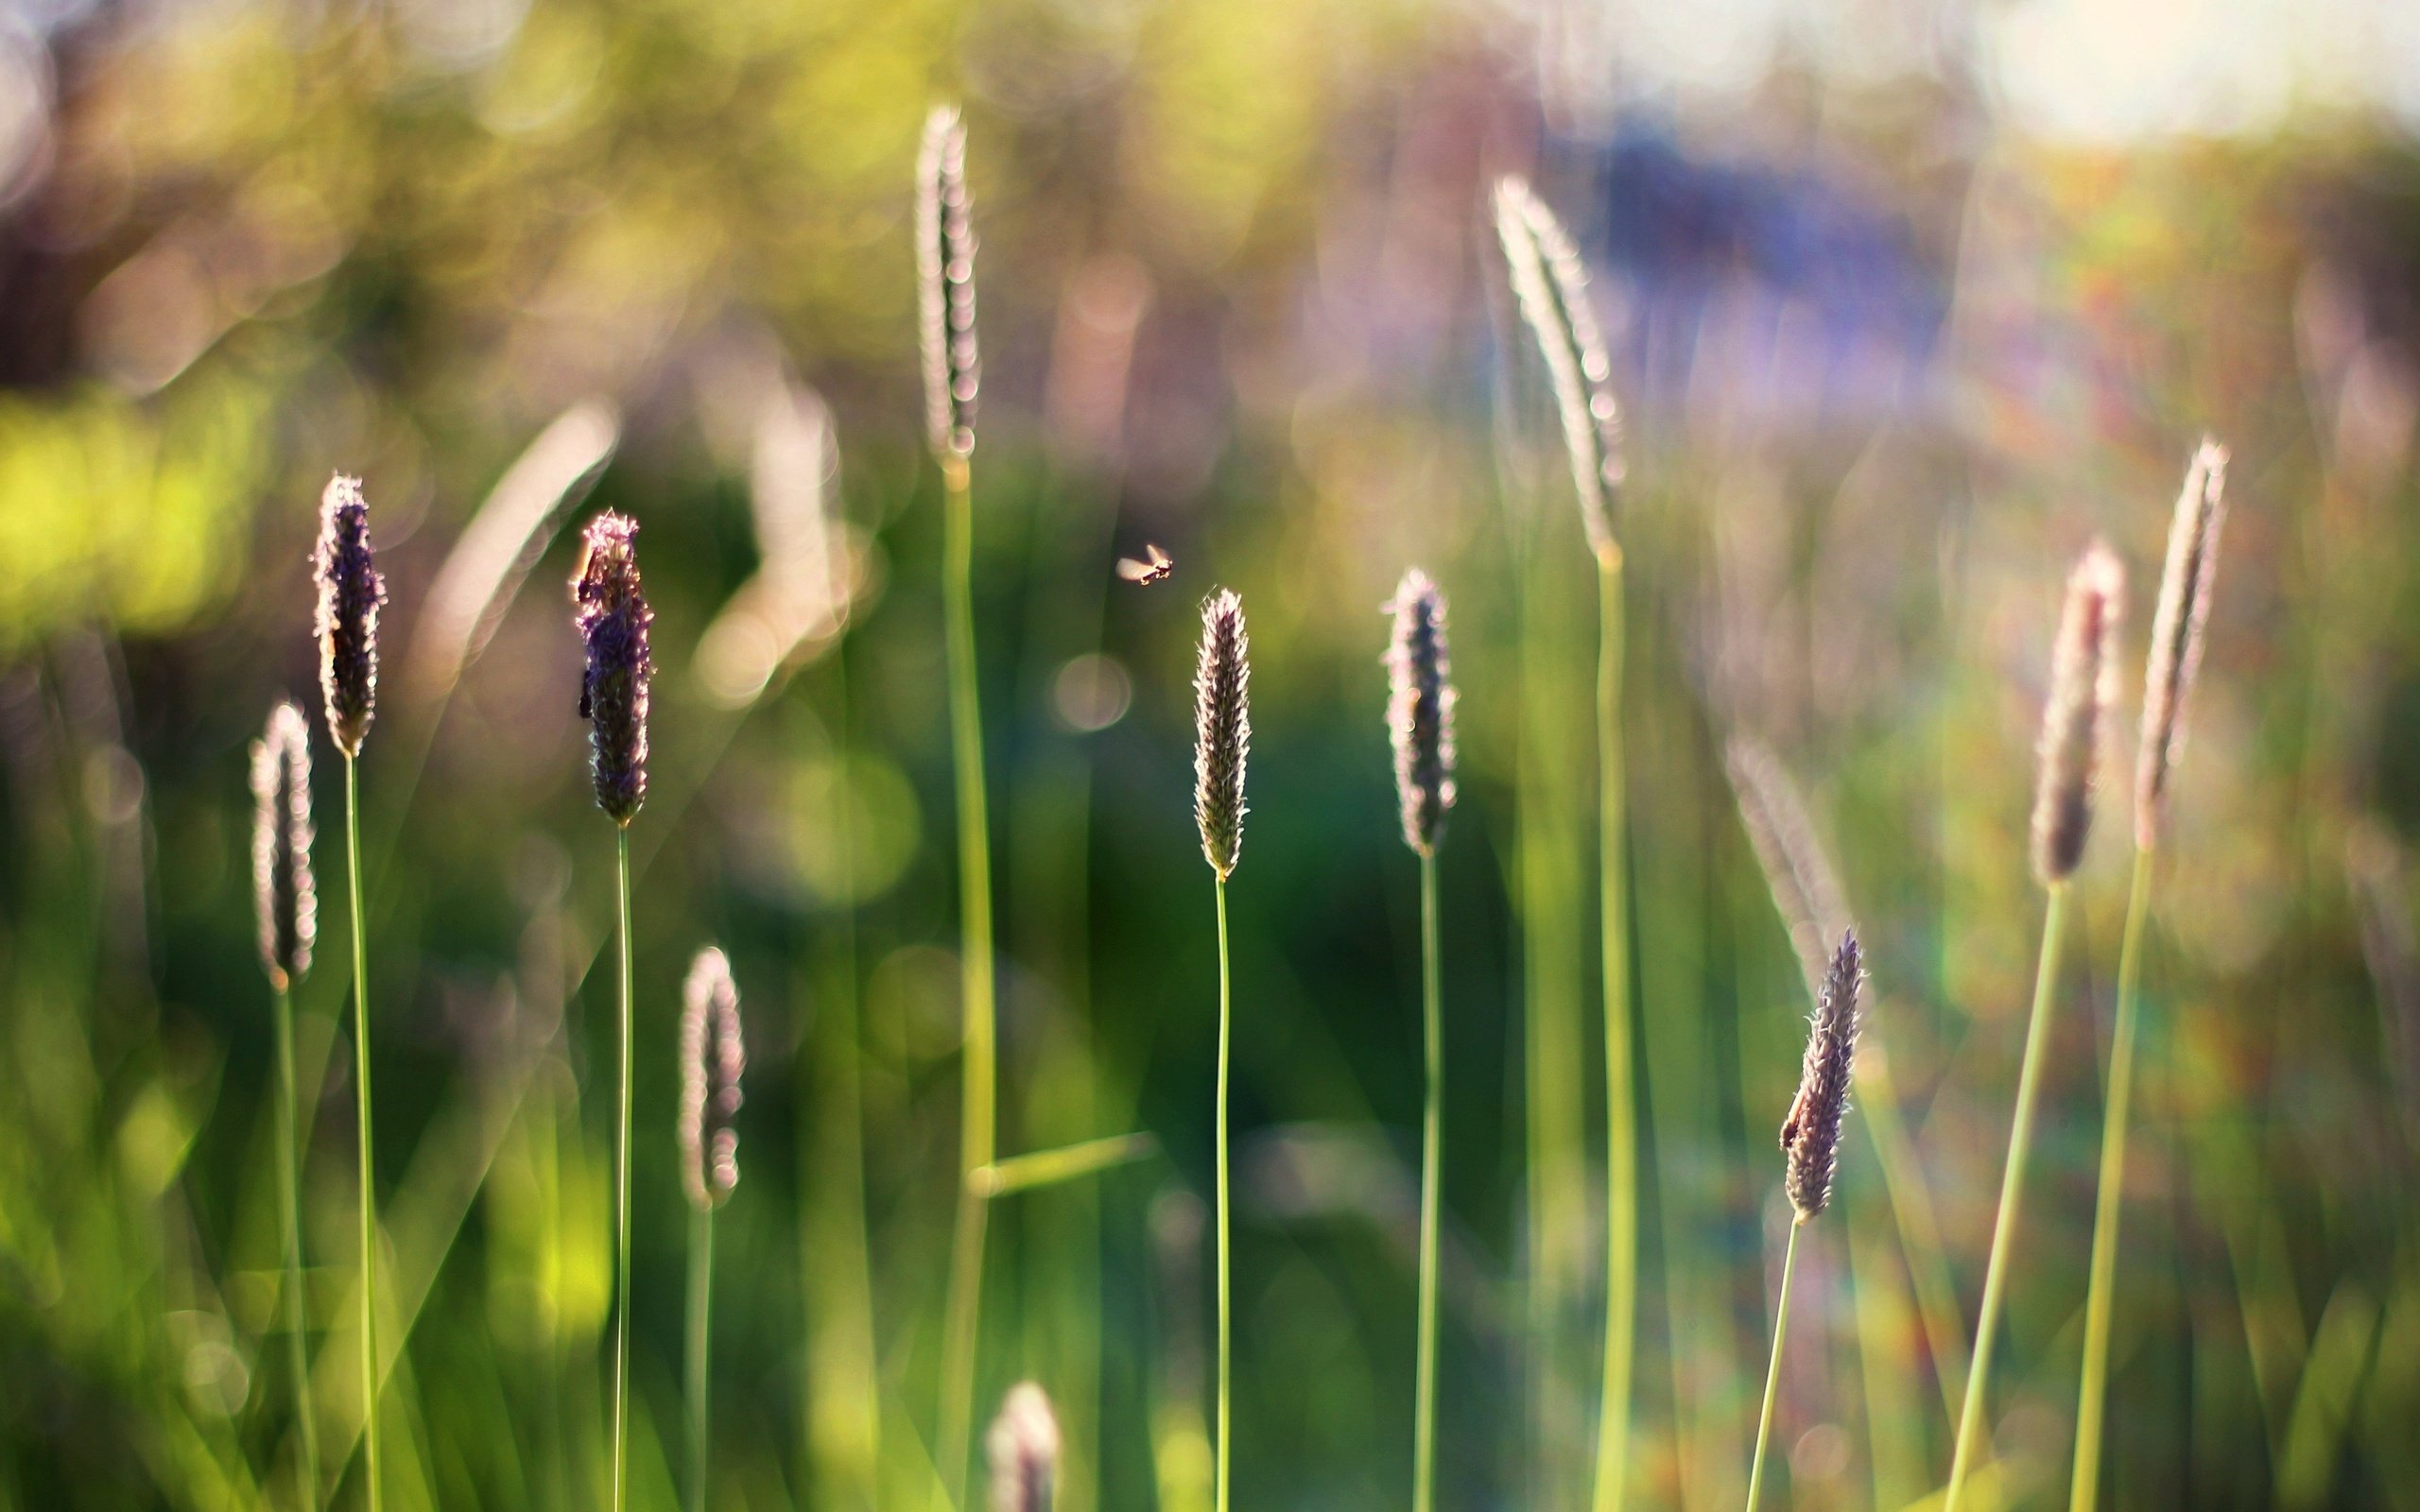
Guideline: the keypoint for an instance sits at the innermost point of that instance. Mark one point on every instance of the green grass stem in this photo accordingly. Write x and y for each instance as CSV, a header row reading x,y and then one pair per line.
x,y
2020,1140
2092,1400
622,1182
371,1463
978,1115
1226,1419
700,1331
289,1214
1433,1040
1772,1371
1621,1117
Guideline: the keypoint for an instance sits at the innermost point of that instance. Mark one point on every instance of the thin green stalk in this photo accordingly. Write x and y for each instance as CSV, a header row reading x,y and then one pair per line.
x,y
1225,1337
1621,1118
1432,1038
1772,1371
979,1098
622,1180
2020,1140
2108,1209
701,1313
361,1102
289,1203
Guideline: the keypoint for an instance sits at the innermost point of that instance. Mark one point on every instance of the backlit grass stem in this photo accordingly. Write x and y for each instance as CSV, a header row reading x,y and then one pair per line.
x,y
1621,1116
290,1205
979,1098
1226,1290
2020,1142
361,1103
1772,1371
622,1170
1433,1040
2092,1400
700,1328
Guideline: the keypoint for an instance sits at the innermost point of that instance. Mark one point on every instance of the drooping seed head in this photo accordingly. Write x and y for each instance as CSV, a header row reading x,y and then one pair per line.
x,y
712,1058
1420,710
2083,688
946,261
1221,730
283,892
609,607
1023,1446
1551,285
1810,1137
1798,871
347,622
2177,624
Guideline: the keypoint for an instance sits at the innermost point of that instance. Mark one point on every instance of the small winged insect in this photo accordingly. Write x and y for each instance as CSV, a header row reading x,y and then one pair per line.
x,y
1152,569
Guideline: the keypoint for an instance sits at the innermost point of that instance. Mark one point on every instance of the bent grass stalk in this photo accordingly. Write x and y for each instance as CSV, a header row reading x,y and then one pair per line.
x,y
1978,1370
2108,1207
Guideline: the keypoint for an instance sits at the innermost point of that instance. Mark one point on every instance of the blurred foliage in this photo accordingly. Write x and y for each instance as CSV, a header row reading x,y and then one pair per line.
x,y
1892,359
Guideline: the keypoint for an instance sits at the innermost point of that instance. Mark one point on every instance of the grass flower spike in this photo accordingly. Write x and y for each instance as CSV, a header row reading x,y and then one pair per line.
x,y
1552,288
350,592
712,1058
285,895
288,900
2083,683
1420,710
2177,626
1221,743
1810,1142
1221,730
611,608
945,265
945,268
1420,726
1023,1446
2083,686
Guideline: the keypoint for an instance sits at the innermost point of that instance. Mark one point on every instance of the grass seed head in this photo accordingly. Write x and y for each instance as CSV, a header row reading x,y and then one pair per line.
x,y
945,265
712,1058
347,620
1023,1446
1221,730
1811,1135
609,607
283,893
1551,285
2177,624
1798,871
2083,688
1420,710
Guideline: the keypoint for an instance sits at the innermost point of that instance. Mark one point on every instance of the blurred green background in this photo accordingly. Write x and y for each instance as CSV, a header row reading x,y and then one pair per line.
x,y
1906,303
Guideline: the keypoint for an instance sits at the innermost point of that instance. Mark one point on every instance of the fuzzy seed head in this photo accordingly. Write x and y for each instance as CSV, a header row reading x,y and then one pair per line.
x,y
2083,689
1221,730
1420,710
712,1058
1810,1137
1798,870
2177,624
945,263
1023,1446
1551,285
283,891
347,620
609,607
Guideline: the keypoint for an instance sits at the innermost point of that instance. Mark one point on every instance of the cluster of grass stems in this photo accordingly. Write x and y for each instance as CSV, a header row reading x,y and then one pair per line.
x,y
1546,272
